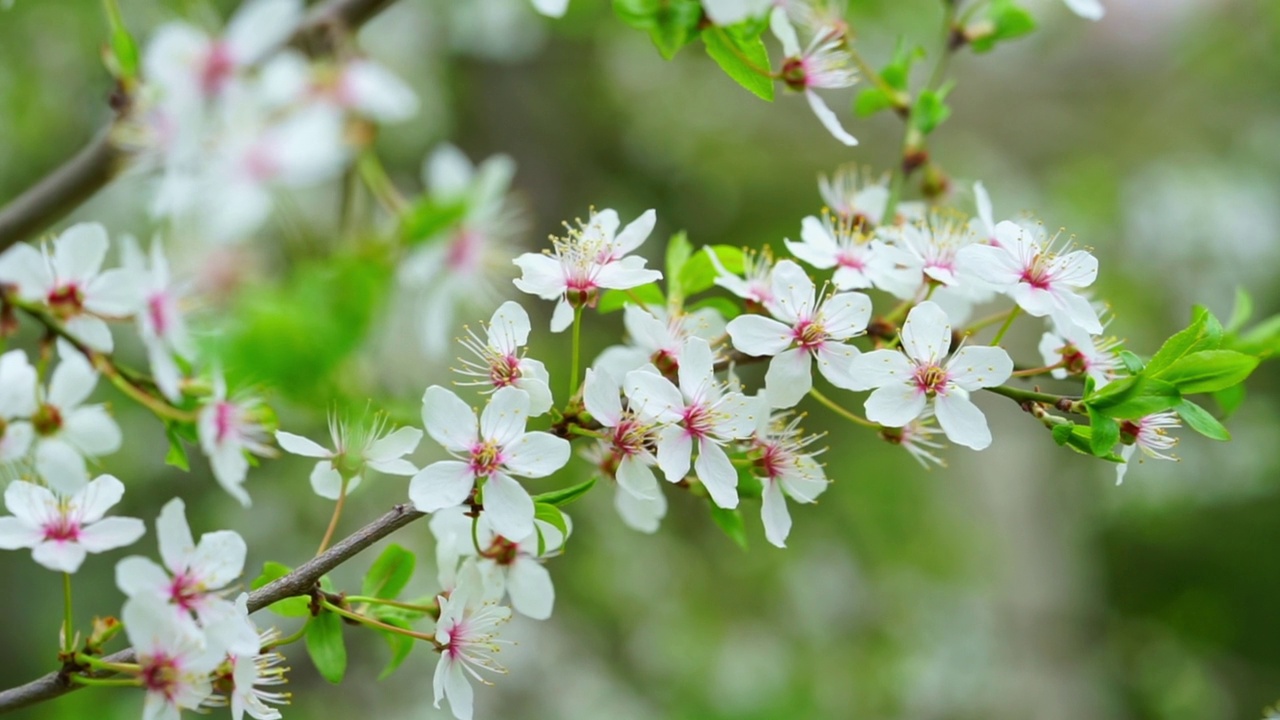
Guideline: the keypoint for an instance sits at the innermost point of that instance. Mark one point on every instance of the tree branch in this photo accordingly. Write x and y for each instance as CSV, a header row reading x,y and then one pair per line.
x,y
299,582
79,178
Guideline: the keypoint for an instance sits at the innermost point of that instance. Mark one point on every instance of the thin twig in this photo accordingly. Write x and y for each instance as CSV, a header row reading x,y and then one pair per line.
x,y
300,582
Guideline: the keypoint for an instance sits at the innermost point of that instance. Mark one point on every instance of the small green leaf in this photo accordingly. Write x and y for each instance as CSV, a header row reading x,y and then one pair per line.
x,y
389,573
288,607
743,58
401,645
672,24
678,252
1104,433
1204,333
326,647
1240,312
551,515
1134,397
613,300
1062,433
124,50
700,273
749,486
1132,362
177,455
1200,420
931,109
871,101
730,521
1209,371
566,495
1261,339
1005,20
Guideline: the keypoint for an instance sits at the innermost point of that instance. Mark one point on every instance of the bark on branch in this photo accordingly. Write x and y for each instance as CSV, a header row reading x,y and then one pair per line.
x,y
299,582
79,178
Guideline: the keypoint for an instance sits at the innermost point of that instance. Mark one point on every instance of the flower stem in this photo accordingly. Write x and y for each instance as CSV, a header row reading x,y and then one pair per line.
x,y
288,639
432,609
364,620
1039,371
68,641
333,521
99,664
1038,397
1008,322
837,409
104,682
992,319
577,351
375,176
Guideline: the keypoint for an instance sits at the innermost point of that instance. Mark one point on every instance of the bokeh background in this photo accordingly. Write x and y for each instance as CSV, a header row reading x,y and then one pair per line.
x,y
1019,582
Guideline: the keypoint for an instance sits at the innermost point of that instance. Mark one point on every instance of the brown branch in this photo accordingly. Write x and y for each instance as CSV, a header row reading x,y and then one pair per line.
x,y
299,582
79,178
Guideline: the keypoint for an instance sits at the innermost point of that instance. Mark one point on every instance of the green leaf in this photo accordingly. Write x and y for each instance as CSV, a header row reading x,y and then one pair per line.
x,y
1104,433
389,573
177,455
898,72
931,109
1262,339
401,645
730,521
1132,362
699,273
124,51
1204,333
1134,397
672,24
1230,399
1209,371
326,647
1006,20
565,496
727,308
551,515
871,101
742,58
614,300
1241,311
1062,432
1200,420
749,486
678,252
289,607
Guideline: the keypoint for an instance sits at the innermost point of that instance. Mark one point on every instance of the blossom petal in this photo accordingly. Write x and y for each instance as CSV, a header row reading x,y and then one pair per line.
x,y
174,535
835,362
926,335
509,506
642,514
509,327
61,555
95,499
92,430
61,465
895,405
846,314
979,366
112,533
397,444
326,481
635,477
30,503
540,275
653,397
562,316
775,514
376,92
601,395
299,445
759,336
789,378
697,368
717,474
635,233
261,26
530,588
17,385
441,485
782,29
792,292
28,268
829,119
675,450
448,420
79,251
15,533
218,559
536,455
137,575
878,368
962,421
72,381
504,418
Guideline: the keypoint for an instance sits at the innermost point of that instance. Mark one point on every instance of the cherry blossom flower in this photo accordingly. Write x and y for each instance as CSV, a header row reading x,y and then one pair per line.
x,y
854,196
358,448
927,253
825,63
501,362
1041,279
755,285
491,449
905,382
1087,9
786,470
803,330
174,658
1150,434
248,672
228,429
656,337
192,574
1080,353
697,413
68,431
17,405
593,257
985,227
360,86
457,266
860,260
916,437
631,436
60,530
467,633
70,281
638,513
160,321
507,567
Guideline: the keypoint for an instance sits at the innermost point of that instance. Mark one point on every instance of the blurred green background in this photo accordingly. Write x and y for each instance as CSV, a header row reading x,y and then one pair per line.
x,y
1019,582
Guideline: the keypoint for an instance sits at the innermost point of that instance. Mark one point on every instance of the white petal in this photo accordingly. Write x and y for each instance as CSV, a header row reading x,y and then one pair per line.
x,y
536,455
60,555
759,336
111,533
137,575
793,292
786,34
979,366
61,465
540,399
16,441
299,445
397,466
174,535
447,172
440,485
600,394
17,385
562,316
504,418
962,421
448,420
509,327
789,378
697,368
218,559
835,362
775,514
509,506
635,233
260,26
542,276
635,477
1087,9
643,514
72,381
529,585
15,534
95,499
459,691
717,474
92,331
78,252
377,93
551,8
28,268
115,292
397,444
30,503
653,397
92,430
326,481
846,315
895,405
675,450
829,119
926,335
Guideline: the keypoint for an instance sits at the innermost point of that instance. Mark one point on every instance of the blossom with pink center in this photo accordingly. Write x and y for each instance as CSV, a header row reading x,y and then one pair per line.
x,y
593,257
467,636
631,437
488,451
359,86
906,382
160,322
192,574
825,63
174,658
786,471
1043,280
229,428
755,285
70,282
248,673
60,530
458,265
803,330
696,415
67,431
916,437
17,405
657,336
358,448
854,196
1080,353
860,260
501,362
1150,434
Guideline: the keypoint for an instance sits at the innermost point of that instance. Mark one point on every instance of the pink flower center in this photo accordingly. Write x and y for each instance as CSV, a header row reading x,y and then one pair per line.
x,y
260,164
158,312
66,300
795,73
486,458
772,460
630,437
216,70
160,674
698,421
810,335
47,420
64,529
931,380
1037,274
226,421
464,250
847,259
185,591
504,370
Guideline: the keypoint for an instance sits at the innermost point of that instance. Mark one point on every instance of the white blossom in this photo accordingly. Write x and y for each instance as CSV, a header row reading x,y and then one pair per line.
x,y
1080,353
656,336
17,405
905,382
174,658
1150,434
860,260
786,471
467,633
502,363
67,430
229,428
1087,9
60,530
824,63
630,435
360,86
358,447
160,322
755,285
